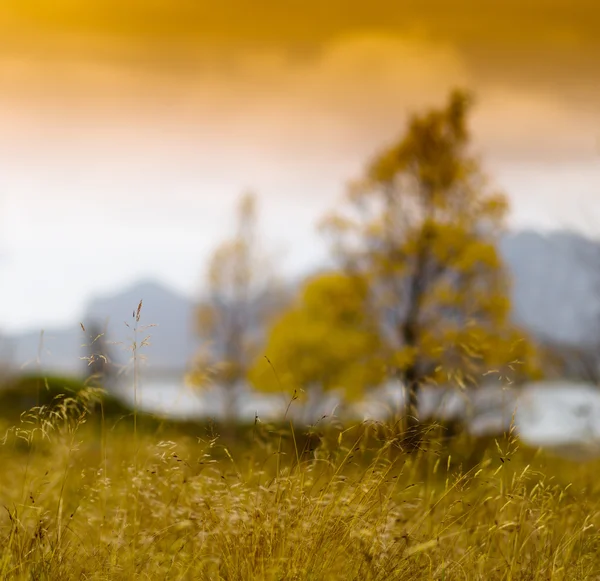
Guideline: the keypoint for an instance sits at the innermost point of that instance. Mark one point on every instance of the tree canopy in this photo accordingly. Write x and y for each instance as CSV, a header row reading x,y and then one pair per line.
x,y
421,226
325,341
241,296
420,292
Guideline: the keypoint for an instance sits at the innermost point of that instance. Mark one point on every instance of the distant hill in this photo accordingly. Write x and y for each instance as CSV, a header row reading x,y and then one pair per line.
x,y
556,285
167,317
172,338
556,295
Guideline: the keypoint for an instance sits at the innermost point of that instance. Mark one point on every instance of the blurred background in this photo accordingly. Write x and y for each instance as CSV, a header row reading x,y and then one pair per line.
x,y
131,134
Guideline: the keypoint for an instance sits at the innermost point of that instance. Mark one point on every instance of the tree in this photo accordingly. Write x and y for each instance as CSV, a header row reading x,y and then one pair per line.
x,y
572,362
421,226
241,297
325,341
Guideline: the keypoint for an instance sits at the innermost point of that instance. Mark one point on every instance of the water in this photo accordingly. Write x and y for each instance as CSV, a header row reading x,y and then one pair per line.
x,y
561,416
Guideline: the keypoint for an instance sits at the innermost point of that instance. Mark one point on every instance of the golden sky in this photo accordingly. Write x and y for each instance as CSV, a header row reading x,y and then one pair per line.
x,y
209,56
518,23
529,41
126,121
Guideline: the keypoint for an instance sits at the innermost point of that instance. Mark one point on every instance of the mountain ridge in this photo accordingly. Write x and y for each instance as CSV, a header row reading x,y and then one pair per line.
x,y
555,295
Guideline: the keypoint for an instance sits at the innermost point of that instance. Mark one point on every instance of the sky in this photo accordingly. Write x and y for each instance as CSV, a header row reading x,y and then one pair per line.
x,y
128,130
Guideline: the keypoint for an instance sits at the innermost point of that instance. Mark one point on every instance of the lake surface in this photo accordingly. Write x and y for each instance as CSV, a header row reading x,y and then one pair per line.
x,y
562,416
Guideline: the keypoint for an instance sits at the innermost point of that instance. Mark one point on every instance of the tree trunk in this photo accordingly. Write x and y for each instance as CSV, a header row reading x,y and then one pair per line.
x,y
413,435
230,410
409,332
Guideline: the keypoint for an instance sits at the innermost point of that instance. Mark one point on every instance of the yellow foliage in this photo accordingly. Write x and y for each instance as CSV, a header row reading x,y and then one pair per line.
x,y
227,318
326,340
422,228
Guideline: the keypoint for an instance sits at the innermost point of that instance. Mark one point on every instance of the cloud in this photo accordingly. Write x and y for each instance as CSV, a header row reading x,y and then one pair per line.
x,y
512,124
106,156
345,101
363,76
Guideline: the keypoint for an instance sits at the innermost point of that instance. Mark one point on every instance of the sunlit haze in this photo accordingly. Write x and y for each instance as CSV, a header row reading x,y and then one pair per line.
x,y
124,146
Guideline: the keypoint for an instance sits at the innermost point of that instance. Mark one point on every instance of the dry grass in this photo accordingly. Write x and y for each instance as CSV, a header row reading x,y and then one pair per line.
x,y
79,501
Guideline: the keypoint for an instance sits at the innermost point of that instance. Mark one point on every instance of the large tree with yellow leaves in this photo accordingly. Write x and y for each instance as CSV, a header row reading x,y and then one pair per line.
x,y
421,227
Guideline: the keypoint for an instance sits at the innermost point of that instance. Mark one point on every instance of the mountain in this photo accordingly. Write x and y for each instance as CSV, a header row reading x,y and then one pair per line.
x,y
166,316
556,284
556,295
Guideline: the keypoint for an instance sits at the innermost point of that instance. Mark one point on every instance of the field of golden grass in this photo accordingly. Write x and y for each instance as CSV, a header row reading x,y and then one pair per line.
x,y
87,498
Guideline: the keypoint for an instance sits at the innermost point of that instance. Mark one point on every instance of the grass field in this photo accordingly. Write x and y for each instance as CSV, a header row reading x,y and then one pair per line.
x,y
89,498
